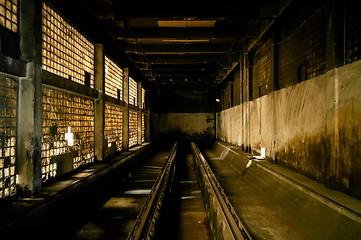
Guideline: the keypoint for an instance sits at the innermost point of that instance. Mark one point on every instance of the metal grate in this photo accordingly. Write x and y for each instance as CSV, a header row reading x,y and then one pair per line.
x,y
133,99
68,131
9,14
262,70
8,103
66,52
113,125
133,131
113,79
302,53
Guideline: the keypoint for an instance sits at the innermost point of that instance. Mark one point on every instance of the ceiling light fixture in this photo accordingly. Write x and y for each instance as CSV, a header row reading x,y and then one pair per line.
x,y
185,40
186,23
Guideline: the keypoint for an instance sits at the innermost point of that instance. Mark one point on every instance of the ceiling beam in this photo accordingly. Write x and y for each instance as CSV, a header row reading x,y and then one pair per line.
x,y
191,33
185,59
194,47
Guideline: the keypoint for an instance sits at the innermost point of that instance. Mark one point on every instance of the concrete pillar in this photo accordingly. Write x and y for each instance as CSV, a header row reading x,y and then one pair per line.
x,y
241,82
139,113
276,86
249,93
335,57
246,89
275,56
126,109
335,52
99,103
29,123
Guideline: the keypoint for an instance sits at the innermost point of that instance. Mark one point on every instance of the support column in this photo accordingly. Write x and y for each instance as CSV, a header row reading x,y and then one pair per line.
x,y
139,113
126,110
335,53
335,57
243,101
275,56
276,86
246,89
29,122
99,103
249,94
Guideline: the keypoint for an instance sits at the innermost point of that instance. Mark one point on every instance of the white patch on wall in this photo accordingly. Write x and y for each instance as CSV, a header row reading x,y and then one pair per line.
x,y
262,156
69,136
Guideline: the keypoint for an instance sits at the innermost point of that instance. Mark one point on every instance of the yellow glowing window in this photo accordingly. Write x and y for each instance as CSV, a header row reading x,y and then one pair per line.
x,y
9,14
113,126
68,126
133,133
66,52
113,79
143,99
133,92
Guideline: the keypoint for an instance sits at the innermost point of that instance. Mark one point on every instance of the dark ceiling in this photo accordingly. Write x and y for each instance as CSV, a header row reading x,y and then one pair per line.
x,y
174,42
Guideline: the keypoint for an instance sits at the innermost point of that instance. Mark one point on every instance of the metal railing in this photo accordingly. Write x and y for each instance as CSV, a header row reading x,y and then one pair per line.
x,y
224,221
144,227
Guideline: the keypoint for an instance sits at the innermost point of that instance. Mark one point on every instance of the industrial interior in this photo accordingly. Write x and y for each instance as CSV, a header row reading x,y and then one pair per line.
x,y
180,120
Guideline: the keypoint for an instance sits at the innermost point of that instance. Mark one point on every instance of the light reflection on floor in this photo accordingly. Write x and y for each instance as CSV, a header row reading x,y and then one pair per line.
x,y
120,202
138,191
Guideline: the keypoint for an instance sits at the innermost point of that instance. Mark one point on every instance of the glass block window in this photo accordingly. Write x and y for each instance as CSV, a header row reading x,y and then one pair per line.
x,y
352,32
262,70
133,130
8,96
68,129
113,125
113,79
143,127
143,99
304,51
66,52
9,14
133,85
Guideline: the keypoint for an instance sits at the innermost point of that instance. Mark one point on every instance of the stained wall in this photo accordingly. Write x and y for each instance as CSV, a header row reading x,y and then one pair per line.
x,y
312,127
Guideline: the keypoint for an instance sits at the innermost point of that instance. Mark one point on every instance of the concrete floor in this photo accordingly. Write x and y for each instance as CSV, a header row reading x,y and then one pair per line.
x,y
276,203
116,218
193,221
184,215
273,202
184,218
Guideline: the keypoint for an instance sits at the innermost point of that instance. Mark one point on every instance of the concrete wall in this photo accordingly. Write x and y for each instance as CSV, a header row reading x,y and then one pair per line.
x,y
229,125
313,127
183,125
182,112
346,144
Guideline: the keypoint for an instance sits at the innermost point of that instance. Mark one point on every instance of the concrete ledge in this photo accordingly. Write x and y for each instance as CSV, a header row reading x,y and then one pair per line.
x,y
277,203
338,201
65,200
